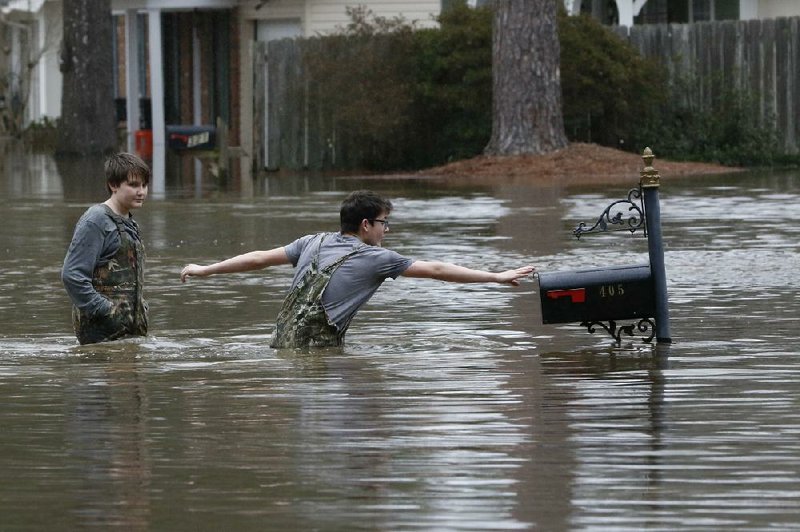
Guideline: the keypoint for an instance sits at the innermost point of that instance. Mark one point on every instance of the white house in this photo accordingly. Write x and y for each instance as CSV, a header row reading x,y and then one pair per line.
x,y
32,81
32,29
264,20
685,10
749,10
198,63
214,81
305,18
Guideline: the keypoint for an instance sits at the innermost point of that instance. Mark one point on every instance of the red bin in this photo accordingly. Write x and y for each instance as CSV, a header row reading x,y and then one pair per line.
x,y
144,143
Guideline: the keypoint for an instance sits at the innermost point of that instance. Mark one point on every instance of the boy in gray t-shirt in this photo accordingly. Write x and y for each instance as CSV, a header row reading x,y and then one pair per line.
x,y
355,280
336,273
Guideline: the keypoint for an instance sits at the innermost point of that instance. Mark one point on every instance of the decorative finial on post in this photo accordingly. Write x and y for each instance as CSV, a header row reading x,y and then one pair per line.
x,y
649,175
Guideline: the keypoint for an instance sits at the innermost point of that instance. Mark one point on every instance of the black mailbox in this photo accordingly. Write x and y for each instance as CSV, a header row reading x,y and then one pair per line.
x,y
191,137
614,293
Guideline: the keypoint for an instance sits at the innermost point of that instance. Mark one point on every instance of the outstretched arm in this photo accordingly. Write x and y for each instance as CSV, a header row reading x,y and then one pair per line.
x,y
444,271
255,260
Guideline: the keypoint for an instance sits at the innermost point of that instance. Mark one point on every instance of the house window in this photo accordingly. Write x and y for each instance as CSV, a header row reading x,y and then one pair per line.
x,y
701,10
171,56
604,10
270,30
221,39
682,11
726,9
142,59
447,4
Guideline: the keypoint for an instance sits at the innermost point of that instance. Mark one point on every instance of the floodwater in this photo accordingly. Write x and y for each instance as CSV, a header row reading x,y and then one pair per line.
x,y
450,408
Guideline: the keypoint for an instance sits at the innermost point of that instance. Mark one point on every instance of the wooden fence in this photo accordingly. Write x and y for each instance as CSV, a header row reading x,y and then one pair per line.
x,y
761,57
280,122
758,56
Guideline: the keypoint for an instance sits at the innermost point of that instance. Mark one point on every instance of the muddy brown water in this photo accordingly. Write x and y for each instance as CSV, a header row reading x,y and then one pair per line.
x,y
450,408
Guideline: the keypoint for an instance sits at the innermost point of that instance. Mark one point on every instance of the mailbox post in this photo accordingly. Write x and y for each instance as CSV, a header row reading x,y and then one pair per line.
x,y
596,296
649,182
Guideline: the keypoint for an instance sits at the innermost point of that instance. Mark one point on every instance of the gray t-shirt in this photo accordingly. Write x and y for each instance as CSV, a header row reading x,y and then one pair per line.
x,y
95,242
354,282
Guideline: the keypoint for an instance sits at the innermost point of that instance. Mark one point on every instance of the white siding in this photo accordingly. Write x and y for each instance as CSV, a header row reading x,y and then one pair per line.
x,y
280,28
748,10
778,8
50,76
326,16
273,9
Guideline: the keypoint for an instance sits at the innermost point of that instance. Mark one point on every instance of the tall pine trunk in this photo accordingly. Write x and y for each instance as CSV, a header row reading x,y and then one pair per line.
x,y
526,100
88,121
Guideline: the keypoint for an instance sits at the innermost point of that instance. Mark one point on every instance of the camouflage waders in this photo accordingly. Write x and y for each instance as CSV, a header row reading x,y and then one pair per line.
x,y
120,280
302,321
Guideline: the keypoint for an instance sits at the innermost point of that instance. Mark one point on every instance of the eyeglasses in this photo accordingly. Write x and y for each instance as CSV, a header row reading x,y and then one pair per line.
x,y
384,222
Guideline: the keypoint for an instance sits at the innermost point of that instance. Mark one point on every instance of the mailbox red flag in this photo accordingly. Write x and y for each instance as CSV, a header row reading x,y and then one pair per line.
x,y
577,295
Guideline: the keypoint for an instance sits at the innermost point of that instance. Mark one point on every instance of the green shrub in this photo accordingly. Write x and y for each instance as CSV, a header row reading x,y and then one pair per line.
x,y
360,80
400,98
730,129
607,87
403,99
42,135
453,87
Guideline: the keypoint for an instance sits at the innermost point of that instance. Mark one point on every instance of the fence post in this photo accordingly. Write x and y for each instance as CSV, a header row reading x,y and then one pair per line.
x,y
649,182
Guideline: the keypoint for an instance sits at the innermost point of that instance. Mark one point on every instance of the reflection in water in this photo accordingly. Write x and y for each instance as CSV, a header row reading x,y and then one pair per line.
x,y
27,174
82,178
451,407
106,434
615,411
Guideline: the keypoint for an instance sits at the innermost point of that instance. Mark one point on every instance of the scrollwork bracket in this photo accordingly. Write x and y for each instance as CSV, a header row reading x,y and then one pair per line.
x,y
616,332
618,221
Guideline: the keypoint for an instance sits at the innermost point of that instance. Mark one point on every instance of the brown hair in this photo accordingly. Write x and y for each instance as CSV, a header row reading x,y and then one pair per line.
x,y
359,205
121,167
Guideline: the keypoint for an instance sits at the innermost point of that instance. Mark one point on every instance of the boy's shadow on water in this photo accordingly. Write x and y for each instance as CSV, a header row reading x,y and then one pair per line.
x,y
329,362
119,351
313,359
131,349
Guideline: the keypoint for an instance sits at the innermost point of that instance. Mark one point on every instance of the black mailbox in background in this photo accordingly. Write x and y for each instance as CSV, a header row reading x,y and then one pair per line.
x,y
596,295
182,138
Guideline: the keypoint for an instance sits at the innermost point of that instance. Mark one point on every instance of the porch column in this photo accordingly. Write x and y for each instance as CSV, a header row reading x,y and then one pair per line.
x,y
16,60
573,7
41,70
247,35
132,76
628,9
157,103
197,104
748,10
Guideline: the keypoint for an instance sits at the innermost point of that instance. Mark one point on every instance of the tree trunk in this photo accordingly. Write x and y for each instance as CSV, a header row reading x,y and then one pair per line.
x,y
88,121
526,101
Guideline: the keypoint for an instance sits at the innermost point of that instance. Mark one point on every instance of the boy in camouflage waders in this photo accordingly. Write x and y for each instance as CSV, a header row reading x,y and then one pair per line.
x,y
103,271
337,273
302,321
